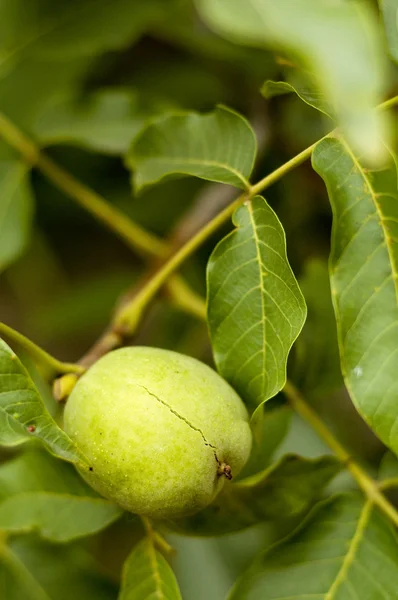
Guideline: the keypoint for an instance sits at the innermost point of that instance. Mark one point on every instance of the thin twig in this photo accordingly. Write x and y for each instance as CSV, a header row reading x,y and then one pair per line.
x,y
40,356
156,538
364,481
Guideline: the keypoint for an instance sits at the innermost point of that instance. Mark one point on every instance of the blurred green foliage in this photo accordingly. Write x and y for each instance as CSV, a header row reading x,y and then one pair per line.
x,y
81,78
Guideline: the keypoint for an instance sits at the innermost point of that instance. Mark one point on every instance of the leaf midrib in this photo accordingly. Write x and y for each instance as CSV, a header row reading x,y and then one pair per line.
x,y
155,570
262,290
373,195
351,554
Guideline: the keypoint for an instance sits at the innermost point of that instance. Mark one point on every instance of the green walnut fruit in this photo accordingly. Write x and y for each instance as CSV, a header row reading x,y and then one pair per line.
x,y
162,431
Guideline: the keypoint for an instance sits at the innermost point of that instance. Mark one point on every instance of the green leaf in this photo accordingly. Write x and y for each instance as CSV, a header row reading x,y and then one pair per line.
x,y
345,550
328,33
104,121
46,48
284,490
41,494
147,574
269,428
307,93
34,570
388,468
255,307
389,9
75,28
56,517
219,146
23,414
364,280
317,362
16,208
35,470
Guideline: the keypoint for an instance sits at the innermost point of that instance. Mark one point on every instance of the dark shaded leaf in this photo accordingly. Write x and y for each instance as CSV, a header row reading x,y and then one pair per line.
x,y
286,489
346,549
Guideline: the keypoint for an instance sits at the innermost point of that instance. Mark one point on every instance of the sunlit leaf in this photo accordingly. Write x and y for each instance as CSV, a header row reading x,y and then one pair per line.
x,y
345,550
364,280
147,575
16,207
284,490
23,414
389,9
338,42
255,307
218,146
106,121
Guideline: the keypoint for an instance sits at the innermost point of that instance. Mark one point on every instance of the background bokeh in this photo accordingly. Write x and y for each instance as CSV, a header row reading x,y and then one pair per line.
x,y
62,284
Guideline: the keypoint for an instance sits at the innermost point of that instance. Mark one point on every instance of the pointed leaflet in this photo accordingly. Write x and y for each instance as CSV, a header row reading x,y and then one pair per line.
x,y
345,550
285,490
219,146
364,281
147,574
389,9
328,33
21,408
16,207
255,307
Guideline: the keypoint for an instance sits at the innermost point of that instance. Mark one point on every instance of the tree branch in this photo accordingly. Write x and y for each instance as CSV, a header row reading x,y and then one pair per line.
x,y
370,487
